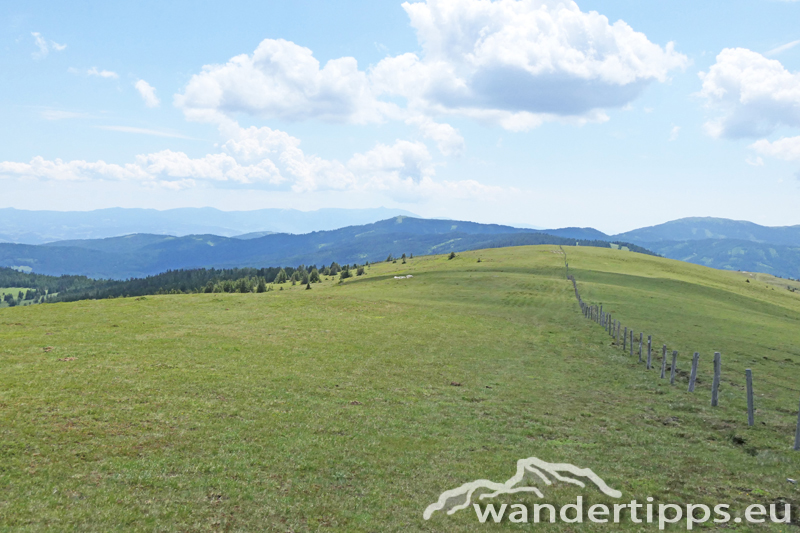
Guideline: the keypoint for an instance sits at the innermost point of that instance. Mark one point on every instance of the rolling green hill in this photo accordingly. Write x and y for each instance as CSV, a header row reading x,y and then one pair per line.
x,y
353,406
146,255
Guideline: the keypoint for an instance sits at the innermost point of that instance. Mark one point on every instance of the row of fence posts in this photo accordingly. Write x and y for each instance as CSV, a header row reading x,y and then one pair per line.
x,y
614,328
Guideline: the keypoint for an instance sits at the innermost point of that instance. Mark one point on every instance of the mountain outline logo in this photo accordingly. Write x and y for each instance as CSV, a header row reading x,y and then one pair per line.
x,y
459,498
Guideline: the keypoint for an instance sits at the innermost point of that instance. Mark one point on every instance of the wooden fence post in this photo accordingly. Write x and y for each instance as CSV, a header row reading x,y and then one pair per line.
x,y
673,367
649,351
664,362
641,337
797,433
619,326
751,416
625,340
693,375
631,348
715,384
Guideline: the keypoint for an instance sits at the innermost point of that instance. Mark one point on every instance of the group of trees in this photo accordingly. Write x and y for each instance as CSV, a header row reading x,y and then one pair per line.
x,y
392,259
27,296
264,283
200,280
41,288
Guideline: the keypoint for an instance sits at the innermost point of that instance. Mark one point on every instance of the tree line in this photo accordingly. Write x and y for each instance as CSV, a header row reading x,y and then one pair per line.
x,y
199,280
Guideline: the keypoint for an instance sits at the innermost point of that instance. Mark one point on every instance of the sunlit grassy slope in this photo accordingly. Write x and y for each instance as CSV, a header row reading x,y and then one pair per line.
x,y
352,407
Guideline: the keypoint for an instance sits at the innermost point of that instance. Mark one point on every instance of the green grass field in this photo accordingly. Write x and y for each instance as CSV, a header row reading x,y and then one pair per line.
x,y
337,409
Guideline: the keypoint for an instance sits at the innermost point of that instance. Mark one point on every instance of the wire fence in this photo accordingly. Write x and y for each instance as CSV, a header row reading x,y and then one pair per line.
x,y
625,338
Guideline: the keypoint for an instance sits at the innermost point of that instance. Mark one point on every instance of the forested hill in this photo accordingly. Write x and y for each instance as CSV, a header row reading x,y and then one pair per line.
x,y
138,256
710,228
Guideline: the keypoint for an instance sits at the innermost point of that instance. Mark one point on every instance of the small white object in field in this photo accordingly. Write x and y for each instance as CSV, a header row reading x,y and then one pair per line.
x,y
790,480
403,277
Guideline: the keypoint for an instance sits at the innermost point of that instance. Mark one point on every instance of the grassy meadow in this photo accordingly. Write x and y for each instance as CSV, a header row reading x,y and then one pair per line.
x,y
351,407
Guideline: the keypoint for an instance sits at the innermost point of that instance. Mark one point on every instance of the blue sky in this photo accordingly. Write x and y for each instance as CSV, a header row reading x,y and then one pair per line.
x,y
614,114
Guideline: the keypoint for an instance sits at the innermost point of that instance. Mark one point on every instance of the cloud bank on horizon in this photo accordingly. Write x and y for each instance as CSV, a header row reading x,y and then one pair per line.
x,y
512,64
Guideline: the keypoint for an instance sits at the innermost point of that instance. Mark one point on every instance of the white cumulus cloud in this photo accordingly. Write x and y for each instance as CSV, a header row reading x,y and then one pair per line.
x,y
447,138
281,80
148,93
787,148
753,95
517,63
59,170
522,62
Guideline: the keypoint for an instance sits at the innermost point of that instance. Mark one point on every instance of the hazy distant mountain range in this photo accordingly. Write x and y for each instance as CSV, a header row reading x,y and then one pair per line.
x,y
39,227
163,240
141,255
696,229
